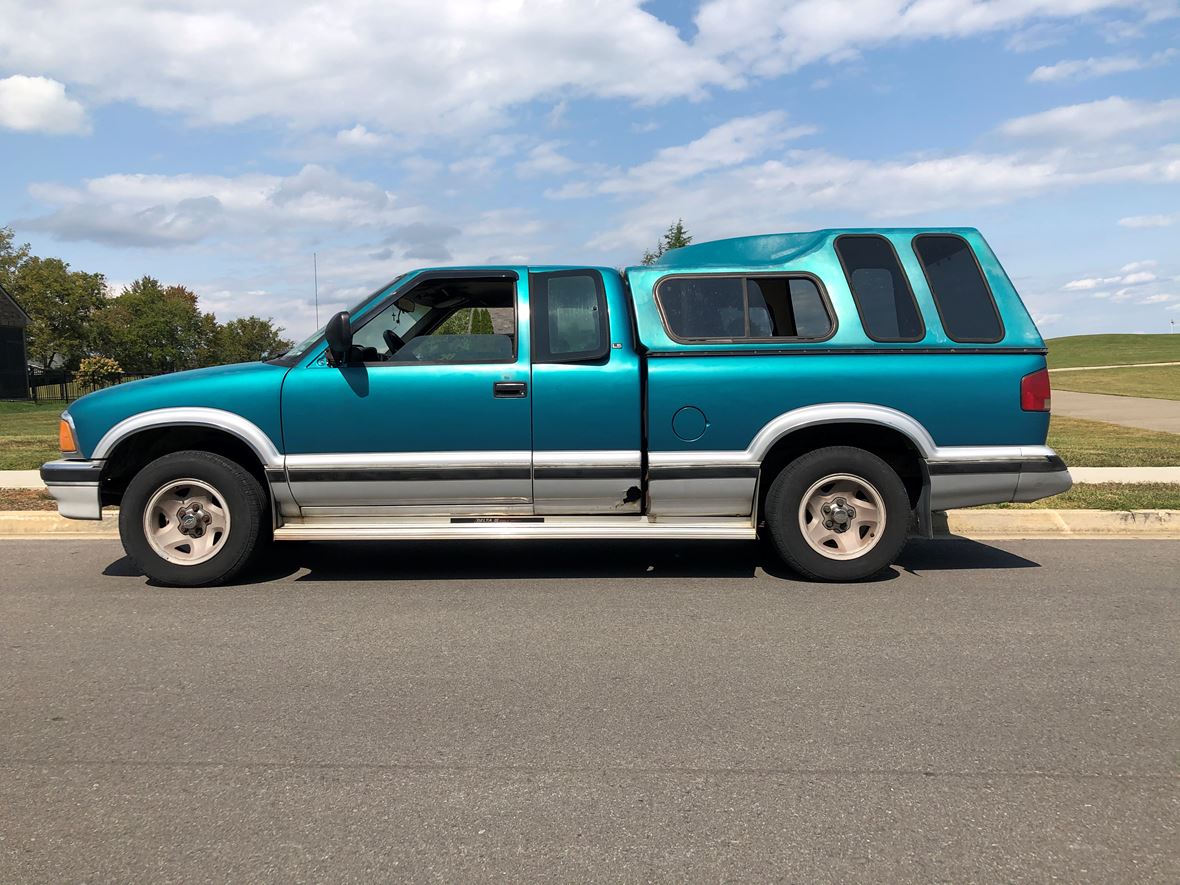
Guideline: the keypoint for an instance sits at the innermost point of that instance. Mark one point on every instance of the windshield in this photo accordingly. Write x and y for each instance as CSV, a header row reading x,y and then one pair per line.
x,y
302,347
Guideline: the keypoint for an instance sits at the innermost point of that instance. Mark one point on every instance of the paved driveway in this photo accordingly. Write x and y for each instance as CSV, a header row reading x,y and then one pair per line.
x,y
1131,411
574,712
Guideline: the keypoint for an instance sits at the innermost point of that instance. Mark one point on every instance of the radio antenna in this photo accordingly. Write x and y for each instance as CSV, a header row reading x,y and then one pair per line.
x,y
315,275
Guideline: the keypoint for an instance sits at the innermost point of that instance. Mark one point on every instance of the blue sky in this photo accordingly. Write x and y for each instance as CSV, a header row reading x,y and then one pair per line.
x,y
219,145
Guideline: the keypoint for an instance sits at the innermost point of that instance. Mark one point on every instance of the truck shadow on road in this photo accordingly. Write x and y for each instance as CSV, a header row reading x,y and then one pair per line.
x,y
499,560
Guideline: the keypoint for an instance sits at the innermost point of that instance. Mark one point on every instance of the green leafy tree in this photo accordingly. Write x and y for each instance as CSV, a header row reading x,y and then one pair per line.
x,y
11,256
248,339
98,371
150,329
481,322
62,305
675,237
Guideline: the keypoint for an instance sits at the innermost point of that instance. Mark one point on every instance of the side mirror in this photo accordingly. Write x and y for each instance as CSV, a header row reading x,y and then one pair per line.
x,y
338,332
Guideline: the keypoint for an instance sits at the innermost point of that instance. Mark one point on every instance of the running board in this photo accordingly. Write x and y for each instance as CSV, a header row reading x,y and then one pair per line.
x,y
514,528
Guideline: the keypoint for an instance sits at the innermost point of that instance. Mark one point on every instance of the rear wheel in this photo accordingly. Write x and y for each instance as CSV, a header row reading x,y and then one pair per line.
x,y
192,518
838,514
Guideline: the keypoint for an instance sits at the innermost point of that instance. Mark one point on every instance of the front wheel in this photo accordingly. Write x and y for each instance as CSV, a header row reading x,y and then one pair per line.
x,y
192,518
838,514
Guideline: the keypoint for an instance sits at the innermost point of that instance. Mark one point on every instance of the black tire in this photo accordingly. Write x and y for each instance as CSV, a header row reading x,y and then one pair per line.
x,y
785,496
240,494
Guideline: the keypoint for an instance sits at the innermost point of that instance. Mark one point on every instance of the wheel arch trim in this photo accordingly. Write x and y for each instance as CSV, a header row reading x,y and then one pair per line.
x,y
840,413
194,416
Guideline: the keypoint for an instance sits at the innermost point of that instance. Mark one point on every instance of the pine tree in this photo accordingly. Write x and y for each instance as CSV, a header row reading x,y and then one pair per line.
x,y
675,237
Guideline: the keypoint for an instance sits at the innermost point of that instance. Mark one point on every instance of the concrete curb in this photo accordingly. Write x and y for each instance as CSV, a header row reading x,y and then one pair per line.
x,y
974,523
983,524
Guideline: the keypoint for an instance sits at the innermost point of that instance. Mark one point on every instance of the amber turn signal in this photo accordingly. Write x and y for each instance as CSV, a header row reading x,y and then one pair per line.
x,y
65,436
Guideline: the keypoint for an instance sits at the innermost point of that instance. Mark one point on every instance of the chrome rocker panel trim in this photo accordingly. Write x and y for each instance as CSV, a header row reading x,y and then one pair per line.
x,y
523,528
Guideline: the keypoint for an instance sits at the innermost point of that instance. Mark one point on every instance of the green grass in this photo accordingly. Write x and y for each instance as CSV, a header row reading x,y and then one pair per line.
x,y
1156,382
1097,444
28,434
1112,350
1108,496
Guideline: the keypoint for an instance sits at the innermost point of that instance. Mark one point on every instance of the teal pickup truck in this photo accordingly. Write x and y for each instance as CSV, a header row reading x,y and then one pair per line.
x,y
827,390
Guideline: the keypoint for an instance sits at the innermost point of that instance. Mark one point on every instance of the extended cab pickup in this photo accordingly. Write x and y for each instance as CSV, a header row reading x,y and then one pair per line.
x,y
827,389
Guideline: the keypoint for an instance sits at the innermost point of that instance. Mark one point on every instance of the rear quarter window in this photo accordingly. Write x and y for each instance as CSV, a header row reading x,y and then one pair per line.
x,y
961,294
880,289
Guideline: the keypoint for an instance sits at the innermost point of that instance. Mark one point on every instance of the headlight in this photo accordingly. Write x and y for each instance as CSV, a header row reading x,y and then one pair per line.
x,y
66,438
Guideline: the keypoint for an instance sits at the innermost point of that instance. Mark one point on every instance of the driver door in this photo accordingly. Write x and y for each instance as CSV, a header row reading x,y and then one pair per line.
x,y
432,422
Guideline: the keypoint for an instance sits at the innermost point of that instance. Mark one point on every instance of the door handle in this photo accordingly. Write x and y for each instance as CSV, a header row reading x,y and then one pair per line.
x,y
510,390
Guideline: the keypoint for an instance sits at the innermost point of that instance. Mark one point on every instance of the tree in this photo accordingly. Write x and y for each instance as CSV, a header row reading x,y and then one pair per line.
x,y
675,237
248,339
11,257
62,305
152,329
97,372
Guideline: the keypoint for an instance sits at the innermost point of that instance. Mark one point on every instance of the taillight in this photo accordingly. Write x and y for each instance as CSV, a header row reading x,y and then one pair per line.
x,y
1034,391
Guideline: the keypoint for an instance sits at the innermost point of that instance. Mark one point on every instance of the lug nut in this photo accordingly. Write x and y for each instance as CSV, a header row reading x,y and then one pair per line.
x,y
827,508
827,523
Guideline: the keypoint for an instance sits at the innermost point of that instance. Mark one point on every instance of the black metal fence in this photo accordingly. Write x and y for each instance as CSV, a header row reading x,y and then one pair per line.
x,y
56,385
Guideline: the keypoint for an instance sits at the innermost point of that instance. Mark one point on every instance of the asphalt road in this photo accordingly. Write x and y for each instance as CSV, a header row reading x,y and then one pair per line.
x,y
1003,712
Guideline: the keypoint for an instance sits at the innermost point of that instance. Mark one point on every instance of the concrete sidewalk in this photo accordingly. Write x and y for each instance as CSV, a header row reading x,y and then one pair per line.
x,y
1119,366
31,479
21,479
1130,411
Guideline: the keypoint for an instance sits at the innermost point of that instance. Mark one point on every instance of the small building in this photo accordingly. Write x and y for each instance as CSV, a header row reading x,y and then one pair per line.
x,y
14,378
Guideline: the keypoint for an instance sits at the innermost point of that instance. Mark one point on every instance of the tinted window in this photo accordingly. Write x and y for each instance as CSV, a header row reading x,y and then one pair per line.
x,y
881,291
733,308
571,322
964,301
704,307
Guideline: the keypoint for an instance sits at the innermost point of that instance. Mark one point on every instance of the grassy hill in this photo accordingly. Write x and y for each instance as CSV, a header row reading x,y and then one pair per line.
x,y
1112,350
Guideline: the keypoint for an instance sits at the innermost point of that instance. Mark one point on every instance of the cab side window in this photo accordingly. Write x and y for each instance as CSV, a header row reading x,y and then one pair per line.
x,y
569,317
462,320
880,289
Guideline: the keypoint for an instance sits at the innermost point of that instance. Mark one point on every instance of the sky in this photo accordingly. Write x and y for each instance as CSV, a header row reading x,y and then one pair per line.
x,y
219,144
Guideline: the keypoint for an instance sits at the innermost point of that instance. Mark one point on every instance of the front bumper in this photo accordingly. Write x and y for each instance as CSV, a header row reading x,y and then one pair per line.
x,y
966,483
75,487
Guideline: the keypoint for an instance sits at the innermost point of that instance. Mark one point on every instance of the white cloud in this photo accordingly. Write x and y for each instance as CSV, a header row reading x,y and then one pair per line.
x,y
730,185
414,66
1160,298
1137,221
727,145
160,210
359,136
1136,278
1138,265
429,66
545,159
793,34
1089,68
1110,118
38,104
1082,285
